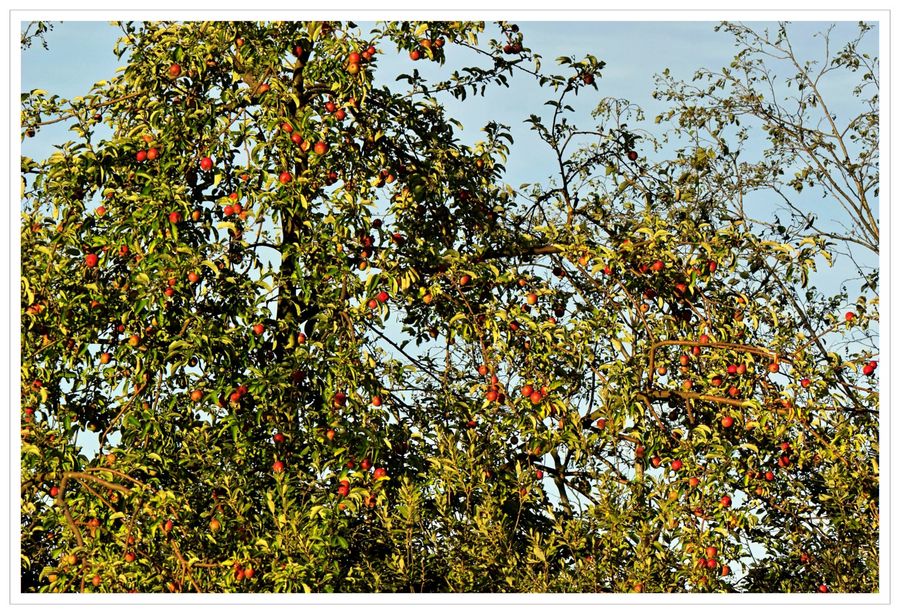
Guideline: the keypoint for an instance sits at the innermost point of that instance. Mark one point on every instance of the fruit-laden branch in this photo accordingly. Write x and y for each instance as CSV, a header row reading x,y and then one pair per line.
x,y
750,349
61,501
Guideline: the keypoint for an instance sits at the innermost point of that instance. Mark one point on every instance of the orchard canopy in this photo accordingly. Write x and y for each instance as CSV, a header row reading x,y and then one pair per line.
x,y
285,330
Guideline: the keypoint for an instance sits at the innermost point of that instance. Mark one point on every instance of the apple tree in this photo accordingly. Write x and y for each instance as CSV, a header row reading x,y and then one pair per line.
x,y
284,331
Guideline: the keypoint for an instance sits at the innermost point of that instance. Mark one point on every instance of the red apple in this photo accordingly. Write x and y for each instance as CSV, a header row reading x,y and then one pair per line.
x,y
174,71
206,163
258,329
321,148
677,465
727,421
380,473
285,178
91,260
277,467
632,155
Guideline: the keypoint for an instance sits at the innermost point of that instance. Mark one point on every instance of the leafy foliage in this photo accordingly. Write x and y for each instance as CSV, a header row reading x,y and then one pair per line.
x,y
323,347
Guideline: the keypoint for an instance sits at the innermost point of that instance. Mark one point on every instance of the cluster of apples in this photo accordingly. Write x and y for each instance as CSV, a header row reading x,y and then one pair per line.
x,y
354,60
426,43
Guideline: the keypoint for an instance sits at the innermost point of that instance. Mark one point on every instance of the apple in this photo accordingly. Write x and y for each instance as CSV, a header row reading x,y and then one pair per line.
x,y
532,298
129,557
677,464
733,392
193,277
206,163
329,434
693,482
296,139
214,525
380,473
536,397
277,466
340,399
285,178
340,115
464,280
656,461
769,476
174,71
601,423
228,211
196,395
849,316
823,588
321,148
175,217
373,304
414,55
539,474
152,153
278,438
382,296
632,155
96,580
727,421
287,127
657,266
353,58
365,464
639,451
805,382
725,501
54,491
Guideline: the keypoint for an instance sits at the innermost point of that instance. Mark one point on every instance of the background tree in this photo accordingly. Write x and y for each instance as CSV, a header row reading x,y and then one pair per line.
x,y
325,348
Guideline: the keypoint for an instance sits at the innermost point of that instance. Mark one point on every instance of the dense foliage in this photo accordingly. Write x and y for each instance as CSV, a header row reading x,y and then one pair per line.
x,y
322,346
